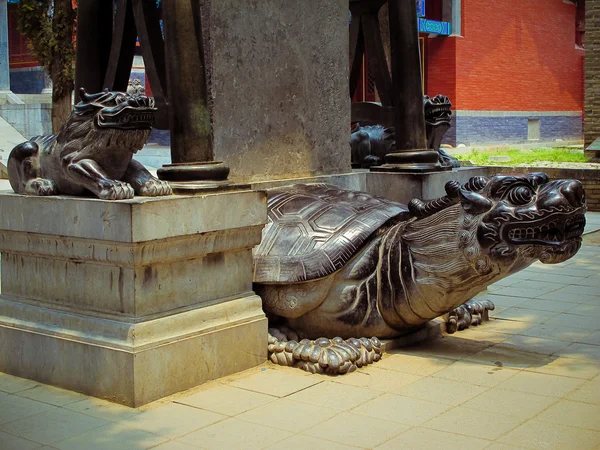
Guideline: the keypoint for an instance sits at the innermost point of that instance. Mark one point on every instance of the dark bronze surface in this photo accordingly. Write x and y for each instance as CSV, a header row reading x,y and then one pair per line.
x,y
369,144
94,37
92,153
106,40
212,170
314,230
401,92
343,263
190,121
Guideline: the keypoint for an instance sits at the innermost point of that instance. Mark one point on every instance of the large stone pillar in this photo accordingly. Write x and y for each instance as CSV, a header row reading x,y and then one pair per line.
x,y
279,87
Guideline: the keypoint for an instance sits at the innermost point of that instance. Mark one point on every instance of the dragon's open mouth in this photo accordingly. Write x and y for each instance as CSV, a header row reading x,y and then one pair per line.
x,y
553,232
128,118
440,113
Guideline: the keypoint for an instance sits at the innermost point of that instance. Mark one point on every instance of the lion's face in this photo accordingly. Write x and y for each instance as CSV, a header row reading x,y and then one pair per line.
x,y
106,122
118,110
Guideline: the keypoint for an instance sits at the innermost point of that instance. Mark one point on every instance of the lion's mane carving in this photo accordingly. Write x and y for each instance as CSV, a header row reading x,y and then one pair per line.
x,y
92,152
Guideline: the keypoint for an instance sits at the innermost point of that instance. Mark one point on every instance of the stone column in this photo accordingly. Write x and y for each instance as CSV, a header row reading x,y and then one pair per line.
x,y
94,37
411,153
189,113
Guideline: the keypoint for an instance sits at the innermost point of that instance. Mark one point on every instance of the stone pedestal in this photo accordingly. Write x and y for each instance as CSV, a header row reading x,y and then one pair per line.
x,y
131,300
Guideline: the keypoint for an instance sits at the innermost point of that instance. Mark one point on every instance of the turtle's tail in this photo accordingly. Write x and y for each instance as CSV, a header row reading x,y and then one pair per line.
x,y
323,355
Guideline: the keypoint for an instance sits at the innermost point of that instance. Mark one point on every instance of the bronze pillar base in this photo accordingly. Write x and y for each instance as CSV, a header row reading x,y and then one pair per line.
x,y
196,176
194,171
412,161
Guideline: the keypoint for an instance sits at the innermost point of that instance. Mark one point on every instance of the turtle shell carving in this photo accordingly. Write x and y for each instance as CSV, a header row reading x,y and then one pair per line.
x,y
314,230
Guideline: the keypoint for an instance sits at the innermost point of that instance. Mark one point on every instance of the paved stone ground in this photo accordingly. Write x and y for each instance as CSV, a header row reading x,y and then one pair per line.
x,y
529,378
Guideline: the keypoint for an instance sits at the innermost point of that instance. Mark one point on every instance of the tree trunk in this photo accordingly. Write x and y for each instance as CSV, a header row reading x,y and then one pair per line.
x,y
61,110
61,67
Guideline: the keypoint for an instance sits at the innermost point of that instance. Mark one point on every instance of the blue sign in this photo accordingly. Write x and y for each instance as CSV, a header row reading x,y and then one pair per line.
x,y
421,8
435,27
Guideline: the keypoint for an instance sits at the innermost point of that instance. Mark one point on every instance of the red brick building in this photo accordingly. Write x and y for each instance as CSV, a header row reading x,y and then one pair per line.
x,y
512,69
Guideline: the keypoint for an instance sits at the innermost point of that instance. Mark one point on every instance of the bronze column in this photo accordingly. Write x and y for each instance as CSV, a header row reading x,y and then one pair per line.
x,y
411,152
187,87
94,37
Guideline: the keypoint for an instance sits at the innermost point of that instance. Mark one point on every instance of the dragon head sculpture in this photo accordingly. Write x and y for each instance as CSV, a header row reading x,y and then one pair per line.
x,y
437,109
118,110
530,215
107,120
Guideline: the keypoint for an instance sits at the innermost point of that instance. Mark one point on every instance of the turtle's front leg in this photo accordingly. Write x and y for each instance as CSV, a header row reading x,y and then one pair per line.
x,y
143,182
473,312
323,355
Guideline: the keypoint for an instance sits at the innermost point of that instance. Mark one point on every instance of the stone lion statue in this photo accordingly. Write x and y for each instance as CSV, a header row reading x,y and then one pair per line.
x,y
92,152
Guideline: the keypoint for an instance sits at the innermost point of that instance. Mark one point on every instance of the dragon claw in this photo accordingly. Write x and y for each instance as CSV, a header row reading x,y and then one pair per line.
x,y
323,355
41,186
473,312
116,190
155,188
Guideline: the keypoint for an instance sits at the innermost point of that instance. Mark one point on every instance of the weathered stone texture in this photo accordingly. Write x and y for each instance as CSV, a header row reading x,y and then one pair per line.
x,y
131,300
592,72
279,87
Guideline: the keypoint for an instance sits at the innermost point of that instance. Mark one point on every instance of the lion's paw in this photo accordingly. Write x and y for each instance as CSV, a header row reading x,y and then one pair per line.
x,y
155,188
116,190
40,186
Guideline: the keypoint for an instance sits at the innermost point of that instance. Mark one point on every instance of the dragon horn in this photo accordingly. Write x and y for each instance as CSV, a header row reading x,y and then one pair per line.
x,y
421,209
86,98
474,203
82,94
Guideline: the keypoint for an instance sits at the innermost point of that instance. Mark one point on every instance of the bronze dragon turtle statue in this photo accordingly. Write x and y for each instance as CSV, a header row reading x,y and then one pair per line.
x,y
92,152
334,264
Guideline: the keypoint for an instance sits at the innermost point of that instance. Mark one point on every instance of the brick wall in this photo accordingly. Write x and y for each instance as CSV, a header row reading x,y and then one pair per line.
x,y
589,177
512,129
519,56
440,67
513,56
592,72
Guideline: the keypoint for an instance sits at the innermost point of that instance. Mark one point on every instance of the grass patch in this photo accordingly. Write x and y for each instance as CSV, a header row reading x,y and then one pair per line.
x,y
481,157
